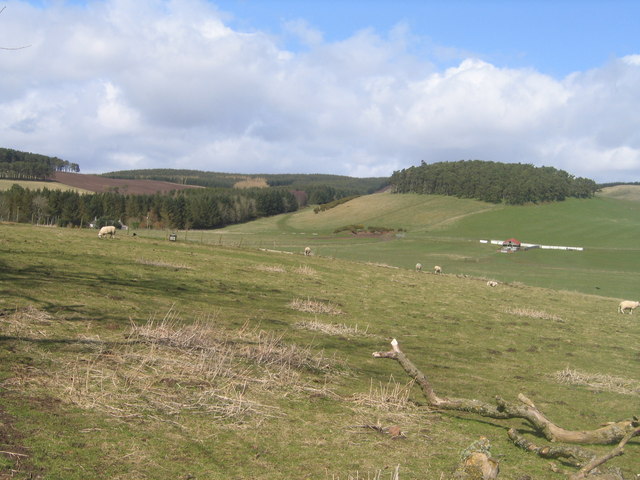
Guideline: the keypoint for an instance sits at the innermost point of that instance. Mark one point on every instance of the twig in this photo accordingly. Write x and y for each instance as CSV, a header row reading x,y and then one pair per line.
x,y
13,453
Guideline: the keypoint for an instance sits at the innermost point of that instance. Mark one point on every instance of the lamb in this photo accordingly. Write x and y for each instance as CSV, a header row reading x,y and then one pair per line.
x,y
492,283
104,231
307,251
628,305
418,267
437,269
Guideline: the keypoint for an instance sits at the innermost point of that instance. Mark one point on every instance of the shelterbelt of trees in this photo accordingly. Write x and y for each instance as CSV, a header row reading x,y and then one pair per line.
x,y
196,209
16,165
495,182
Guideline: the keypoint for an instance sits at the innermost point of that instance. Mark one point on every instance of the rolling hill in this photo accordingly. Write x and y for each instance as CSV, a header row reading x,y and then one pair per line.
x,y
100,184
447,231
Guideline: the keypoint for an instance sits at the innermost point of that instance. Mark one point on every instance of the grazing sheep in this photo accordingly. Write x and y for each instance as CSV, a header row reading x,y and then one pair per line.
x,y
307,251
628,305
437,269
492,283
104,231
418,267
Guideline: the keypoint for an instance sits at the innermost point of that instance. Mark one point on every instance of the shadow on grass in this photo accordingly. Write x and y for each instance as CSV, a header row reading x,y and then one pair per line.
x,y
70,341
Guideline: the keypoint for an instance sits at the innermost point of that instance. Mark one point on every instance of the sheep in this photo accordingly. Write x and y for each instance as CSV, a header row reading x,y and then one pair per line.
x,y
437,269
104,231
307,251
628,305
418,267
492,283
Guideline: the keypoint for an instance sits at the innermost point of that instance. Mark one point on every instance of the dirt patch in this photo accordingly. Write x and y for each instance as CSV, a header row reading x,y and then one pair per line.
x,y
98,184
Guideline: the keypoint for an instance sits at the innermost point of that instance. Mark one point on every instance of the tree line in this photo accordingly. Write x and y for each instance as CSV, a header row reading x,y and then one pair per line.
x,y
314,184
16,165
186,209
495,182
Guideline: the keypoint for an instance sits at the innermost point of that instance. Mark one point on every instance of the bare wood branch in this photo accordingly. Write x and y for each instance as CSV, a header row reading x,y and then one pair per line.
x,y
596,462
15,454
609,434
572,454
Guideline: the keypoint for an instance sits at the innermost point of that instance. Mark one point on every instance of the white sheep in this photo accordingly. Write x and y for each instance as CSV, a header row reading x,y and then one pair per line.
x,y
418,267
437,269
109,230
628,305
307,251
492,283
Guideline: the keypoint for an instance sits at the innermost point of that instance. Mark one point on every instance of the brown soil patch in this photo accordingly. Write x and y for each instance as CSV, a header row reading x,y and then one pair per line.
x,y
98,184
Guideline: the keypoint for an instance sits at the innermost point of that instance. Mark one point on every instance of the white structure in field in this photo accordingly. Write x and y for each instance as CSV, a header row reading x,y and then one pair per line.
x,y
535,245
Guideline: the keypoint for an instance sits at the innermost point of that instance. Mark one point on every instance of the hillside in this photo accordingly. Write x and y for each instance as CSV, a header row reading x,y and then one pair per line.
x,y
138,357
446,231
38,185
496,182
100,184
345,185
622,192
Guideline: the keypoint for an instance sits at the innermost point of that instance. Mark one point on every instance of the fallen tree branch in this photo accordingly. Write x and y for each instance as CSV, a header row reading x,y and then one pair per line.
x,y
573,455
596,462
609,434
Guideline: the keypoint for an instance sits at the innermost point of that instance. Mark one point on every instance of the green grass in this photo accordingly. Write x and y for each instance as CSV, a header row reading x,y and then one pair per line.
x,y
447,231
35,185
136,357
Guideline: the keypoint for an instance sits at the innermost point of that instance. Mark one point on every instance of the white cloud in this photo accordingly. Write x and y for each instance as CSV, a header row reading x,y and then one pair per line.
x,y
119,84
301,29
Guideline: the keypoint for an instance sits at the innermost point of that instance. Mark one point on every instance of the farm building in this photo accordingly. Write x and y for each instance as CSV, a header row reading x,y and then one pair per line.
x,y
510,245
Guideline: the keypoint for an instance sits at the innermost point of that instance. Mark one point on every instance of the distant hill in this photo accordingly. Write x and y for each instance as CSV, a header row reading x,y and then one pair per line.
x,y
344,184
622,192
100,184
495,182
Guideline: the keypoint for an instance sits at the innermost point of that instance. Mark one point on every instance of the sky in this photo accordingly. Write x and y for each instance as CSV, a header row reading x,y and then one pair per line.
x,y
345,87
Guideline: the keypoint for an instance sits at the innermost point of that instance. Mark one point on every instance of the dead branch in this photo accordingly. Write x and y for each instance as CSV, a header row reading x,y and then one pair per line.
x,y
573,455
596,462
13,454
611,433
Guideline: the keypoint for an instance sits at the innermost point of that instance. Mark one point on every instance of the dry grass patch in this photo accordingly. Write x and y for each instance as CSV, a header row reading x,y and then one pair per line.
x,y
167,369
271,268
160,263
382,265
598,381
24,321
251,182
378,475
389,396
531,313
314,306
333,328
270,349
305,270
169,331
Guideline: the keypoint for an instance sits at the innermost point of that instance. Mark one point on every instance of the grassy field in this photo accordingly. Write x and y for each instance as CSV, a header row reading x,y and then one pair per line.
x,y
33,185
447,231
141,358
